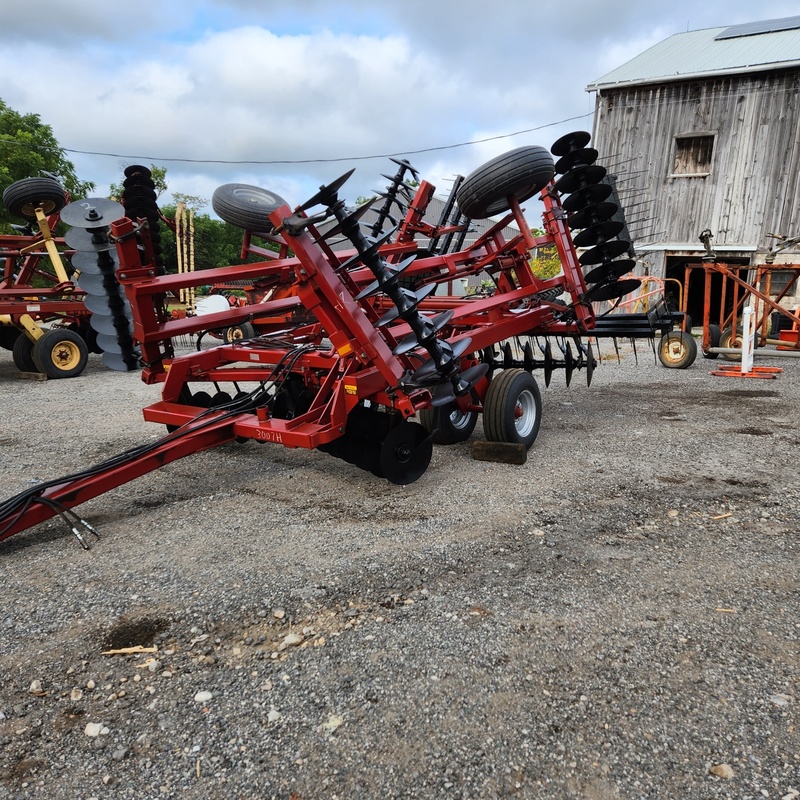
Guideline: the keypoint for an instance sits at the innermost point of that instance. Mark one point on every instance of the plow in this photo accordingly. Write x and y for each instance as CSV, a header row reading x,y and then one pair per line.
x,y
362,350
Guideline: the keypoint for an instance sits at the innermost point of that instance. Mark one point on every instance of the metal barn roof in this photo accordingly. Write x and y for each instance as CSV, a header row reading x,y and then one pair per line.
x,y
710,52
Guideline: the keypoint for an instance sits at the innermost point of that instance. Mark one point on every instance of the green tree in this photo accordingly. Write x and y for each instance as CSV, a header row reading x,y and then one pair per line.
x,y
29,148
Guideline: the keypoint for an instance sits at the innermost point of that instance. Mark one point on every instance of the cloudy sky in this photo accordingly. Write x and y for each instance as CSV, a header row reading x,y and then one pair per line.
x,y
315,87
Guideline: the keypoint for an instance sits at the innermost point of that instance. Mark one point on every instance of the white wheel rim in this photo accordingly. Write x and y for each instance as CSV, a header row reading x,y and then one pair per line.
x,y
525,413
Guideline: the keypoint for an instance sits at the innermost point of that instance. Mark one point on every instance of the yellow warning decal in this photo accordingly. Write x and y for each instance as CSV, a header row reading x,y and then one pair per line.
x,y
345,350
350,388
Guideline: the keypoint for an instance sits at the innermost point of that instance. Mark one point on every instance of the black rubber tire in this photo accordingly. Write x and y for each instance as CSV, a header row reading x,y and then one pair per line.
x,y
245,206
60,353
728,339
22,198
8,335
714,335
22,353
519,173
448,424
236,333
677,350
512,410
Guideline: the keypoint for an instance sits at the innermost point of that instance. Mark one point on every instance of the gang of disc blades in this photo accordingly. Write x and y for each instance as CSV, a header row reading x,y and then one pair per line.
x,y
597,234
604,252
394,313
591,215
579,178
94,212
570,141
584,197
610,271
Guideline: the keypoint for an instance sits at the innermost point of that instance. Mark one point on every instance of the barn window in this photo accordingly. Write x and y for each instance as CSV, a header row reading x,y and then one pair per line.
x,y
693,155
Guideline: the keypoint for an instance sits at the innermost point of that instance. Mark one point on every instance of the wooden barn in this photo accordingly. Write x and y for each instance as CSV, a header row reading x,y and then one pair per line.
x,y
703,133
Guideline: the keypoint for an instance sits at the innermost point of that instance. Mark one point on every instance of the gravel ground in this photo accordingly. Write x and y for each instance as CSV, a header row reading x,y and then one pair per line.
x,y
617,618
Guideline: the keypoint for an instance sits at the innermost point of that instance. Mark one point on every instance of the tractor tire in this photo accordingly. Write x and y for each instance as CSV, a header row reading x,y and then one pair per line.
x,y
245,206
8,335
22,198
512,410
448,424
237,333
714,335
22,353
519,173
60,353
677,350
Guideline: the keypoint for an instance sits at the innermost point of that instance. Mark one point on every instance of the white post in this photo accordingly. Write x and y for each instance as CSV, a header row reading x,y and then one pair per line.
x,y
748,339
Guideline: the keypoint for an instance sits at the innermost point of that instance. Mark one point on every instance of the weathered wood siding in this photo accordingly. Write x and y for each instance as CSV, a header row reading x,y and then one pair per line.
x,y
753,187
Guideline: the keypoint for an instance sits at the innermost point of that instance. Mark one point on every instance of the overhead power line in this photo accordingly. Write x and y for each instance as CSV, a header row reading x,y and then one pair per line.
x,y
160,159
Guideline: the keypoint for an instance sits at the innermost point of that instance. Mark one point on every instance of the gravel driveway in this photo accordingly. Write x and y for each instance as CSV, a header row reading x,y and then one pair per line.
x,y
617,618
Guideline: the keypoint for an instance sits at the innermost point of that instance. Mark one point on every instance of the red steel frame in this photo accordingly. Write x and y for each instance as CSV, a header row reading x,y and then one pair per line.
x,y
359,365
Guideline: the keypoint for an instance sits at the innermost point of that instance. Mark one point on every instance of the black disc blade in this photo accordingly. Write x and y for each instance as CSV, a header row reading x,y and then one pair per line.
x,y
586,196
436,324
394,313
604,252
405,453
579,178
611,291
583,156
591,215
327,194
598,234
610,271
570,141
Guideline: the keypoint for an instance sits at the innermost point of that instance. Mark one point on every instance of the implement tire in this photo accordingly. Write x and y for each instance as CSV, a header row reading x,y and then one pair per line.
x,y
519,173
22,198
245,206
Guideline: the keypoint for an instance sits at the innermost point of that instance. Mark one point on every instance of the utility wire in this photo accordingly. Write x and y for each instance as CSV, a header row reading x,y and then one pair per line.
x,y
156,159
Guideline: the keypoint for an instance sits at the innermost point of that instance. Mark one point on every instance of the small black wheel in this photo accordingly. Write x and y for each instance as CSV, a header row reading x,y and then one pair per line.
x,y
22,353
714,336
677,350
512,410
519,173
245,206
730,339
448,424
60,353
22,198
236,333
8,335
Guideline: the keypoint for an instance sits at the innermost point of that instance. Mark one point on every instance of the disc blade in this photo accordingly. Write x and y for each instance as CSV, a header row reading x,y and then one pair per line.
x,y
119,362
94,212
588,195
108,343
579,178
598,234
578,157
612,291
610,271
591,215
95,263
326,194
604,252
570,141
405,453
